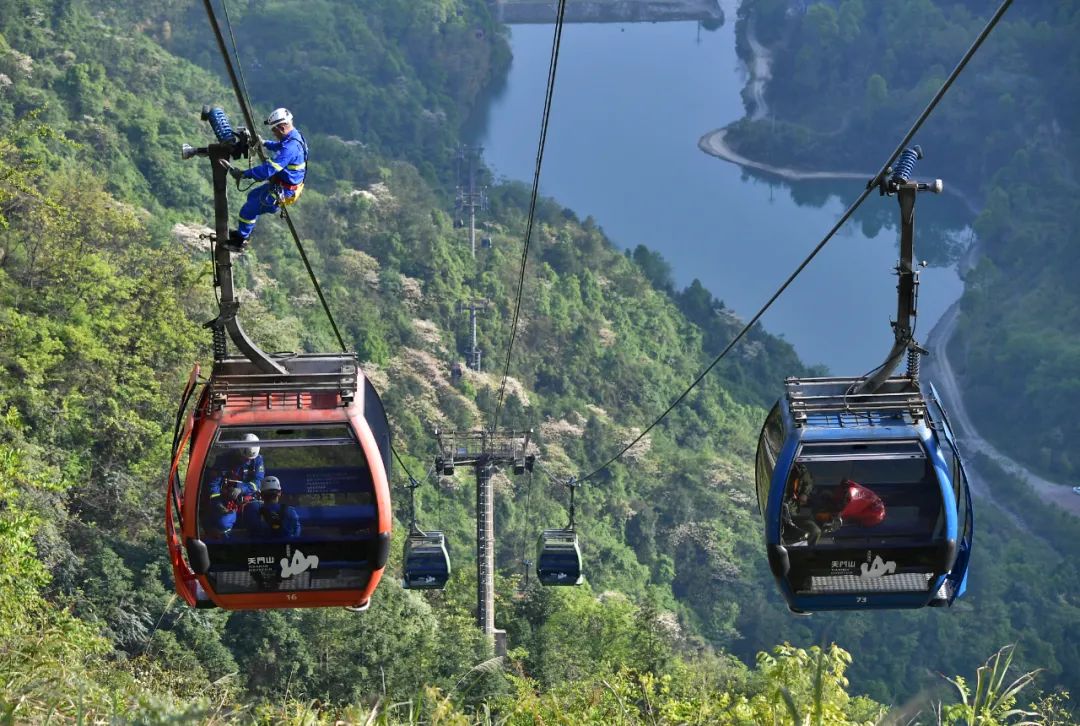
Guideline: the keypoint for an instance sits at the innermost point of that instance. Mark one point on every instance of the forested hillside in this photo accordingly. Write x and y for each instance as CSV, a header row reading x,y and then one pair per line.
x,y
104,285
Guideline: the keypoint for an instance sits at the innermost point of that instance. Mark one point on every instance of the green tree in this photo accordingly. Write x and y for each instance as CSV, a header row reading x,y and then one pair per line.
x,y
877,91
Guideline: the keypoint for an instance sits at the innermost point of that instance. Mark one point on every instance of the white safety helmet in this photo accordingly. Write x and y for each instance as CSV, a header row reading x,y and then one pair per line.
x,y
250,452
278,116
271,484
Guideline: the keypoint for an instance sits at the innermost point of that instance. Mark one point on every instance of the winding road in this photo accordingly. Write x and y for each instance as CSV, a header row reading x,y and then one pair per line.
x,y
760,72
939,370
715,144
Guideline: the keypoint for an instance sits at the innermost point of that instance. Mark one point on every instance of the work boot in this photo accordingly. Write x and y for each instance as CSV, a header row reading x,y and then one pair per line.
x,y
235,243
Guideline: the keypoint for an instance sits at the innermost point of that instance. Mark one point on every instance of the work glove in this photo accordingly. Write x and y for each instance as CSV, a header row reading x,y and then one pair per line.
x,y
235,172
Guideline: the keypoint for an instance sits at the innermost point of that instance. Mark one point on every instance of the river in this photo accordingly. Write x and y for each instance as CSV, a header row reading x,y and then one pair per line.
x,y
630,103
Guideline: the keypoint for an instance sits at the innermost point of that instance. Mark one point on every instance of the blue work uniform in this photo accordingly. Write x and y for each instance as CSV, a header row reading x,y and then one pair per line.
x,y
284,175
222,511
271,520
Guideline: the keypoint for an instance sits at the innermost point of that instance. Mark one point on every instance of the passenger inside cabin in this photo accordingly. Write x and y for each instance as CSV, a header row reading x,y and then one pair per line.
x,y
813,511
270,518
238,477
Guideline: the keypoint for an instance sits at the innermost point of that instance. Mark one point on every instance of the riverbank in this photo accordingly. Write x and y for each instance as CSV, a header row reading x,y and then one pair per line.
x,y
715,144
759,68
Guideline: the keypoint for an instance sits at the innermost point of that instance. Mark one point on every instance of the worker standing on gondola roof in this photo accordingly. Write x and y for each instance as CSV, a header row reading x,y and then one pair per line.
x,y
284,174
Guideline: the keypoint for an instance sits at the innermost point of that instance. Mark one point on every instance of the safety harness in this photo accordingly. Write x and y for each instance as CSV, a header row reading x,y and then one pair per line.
x,y
296,189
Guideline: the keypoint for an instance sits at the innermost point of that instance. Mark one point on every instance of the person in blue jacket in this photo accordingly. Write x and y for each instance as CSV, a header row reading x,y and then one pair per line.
x,y
271,518
284,175
235,485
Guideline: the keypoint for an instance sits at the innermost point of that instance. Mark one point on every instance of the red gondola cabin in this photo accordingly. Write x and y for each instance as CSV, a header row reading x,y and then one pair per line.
x,y
319,532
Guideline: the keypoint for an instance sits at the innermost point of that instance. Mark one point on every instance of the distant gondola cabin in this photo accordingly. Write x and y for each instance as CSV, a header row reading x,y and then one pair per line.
x,y
426,563
558,558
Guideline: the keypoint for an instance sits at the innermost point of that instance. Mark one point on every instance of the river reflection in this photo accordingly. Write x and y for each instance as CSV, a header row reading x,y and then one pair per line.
x,y
631,102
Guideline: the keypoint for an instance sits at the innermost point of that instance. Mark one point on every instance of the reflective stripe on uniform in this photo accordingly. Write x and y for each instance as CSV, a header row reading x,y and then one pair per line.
x,y
274,164
247,221
297,166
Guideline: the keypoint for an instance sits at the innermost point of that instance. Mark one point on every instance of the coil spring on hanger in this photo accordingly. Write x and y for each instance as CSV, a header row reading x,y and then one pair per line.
x,y
219,122
220,349
913,357
905,164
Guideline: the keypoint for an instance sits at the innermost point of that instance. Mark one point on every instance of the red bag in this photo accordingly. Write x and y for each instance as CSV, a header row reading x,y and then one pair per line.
x,y
862,507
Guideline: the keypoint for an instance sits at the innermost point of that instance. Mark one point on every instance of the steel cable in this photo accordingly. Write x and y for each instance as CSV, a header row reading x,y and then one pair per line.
x,y
847,214
549,93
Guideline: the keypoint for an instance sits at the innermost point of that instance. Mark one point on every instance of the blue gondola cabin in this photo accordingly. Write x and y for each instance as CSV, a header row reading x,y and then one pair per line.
x,y
864,497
